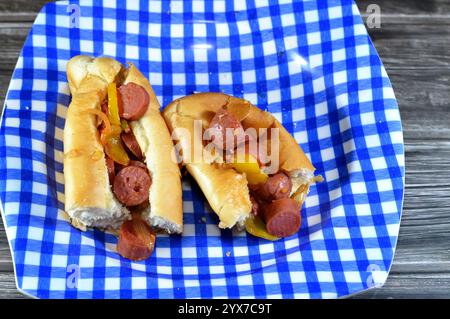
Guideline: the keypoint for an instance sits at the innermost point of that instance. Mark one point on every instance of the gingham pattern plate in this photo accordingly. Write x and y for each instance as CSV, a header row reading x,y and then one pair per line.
x,y
310,63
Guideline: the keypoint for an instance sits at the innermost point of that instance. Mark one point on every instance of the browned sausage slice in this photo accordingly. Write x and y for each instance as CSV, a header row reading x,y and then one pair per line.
x,y
104,106
222,124
138,164
282,217
131,185
135,101
276,187
130,141
136,240
255,206
110,167
118,167
139,208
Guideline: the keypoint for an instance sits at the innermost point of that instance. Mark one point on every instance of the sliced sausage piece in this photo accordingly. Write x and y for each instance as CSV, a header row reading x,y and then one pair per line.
x,y
130,141
276,187
104,106
135,101
282,217
136,240
111,170
119,167
226,127
255,206
131,185
139,208
138,164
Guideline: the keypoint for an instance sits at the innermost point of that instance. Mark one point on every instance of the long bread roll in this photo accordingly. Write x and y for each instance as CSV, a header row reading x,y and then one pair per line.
x,y
225,189
89,200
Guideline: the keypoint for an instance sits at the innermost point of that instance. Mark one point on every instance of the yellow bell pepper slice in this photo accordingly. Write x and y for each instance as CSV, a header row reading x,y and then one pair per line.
x,y
113,105
114,148
247,165
251,169
110,137
255,226
256,178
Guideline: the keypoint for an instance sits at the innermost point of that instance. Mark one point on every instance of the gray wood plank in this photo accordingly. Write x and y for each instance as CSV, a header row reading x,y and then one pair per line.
x,y
5,255
404,47
408,7
13,36
21,10
419,286
417,257
8,288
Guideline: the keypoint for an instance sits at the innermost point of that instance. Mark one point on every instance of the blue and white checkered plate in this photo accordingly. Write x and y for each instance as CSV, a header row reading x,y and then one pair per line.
x,y
310,63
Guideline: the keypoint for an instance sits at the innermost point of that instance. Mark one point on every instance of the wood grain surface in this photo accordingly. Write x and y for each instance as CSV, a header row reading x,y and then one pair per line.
x,y
414,44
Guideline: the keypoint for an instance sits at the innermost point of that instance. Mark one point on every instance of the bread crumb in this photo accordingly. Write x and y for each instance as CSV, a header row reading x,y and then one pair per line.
x,y
228,253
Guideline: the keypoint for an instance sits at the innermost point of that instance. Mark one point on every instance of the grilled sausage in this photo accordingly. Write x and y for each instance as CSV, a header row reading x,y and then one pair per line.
x,y
130,141
131,185
138,164
111,170
225,127
276,187
255,206
282,217
134,100
136,240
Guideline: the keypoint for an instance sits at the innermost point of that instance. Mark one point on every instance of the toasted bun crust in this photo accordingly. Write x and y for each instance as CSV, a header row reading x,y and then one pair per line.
x,y
225,189
89,200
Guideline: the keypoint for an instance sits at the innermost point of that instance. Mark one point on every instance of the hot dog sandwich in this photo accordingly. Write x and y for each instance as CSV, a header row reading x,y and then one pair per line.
x,y
260,187
117,156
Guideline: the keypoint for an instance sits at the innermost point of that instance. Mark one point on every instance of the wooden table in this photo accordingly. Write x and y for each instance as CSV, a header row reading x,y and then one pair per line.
x,y
414,43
